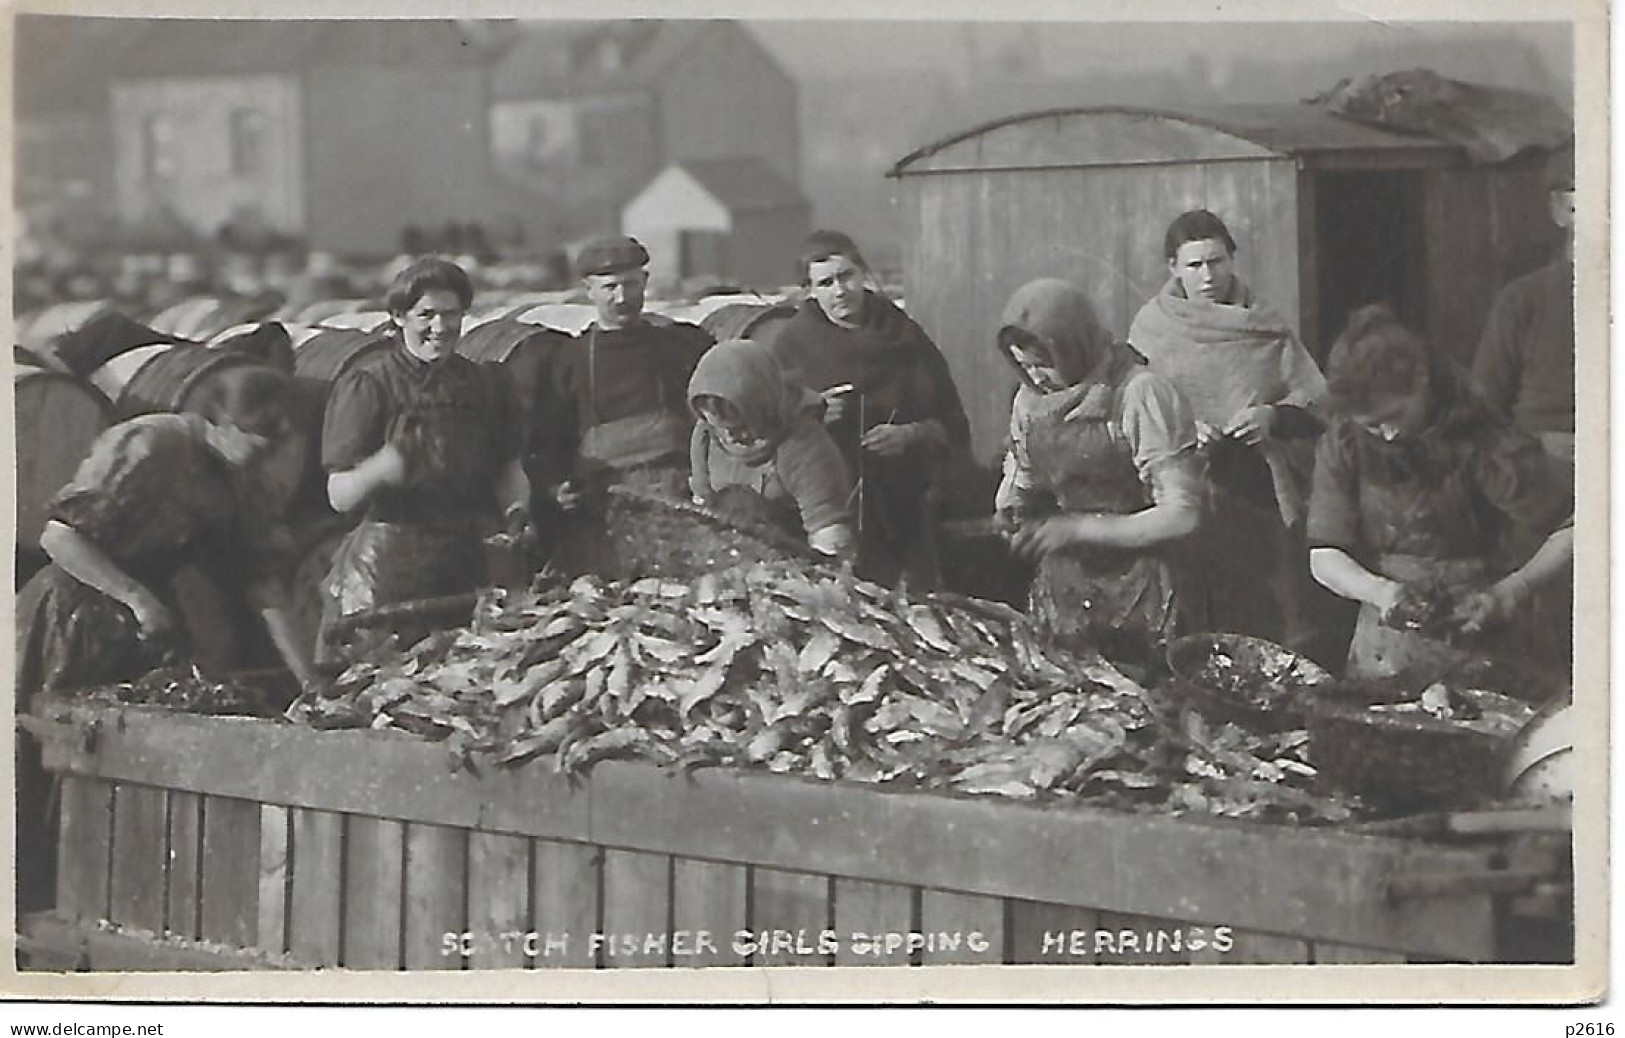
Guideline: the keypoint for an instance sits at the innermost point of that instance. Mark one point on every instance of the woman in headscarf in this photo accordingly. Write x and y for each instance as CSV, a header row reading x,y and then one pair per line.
x,y
894,411
760,439
1441,519
1101,480
1253,389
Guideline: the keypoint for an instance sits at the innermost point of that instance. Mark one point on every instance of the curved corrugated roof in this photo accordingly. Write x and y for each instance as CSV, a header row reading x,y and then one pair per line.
x,y
1288,130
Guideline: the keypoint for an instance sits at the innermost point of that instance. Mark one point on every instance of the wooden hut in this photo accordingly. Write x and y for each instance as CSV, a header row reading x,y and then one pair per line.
x,y
1327,214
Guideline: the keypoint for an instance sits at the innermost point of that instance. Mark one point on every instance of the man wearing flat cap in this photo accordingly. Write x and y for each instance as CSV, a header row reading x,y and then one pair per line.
x,y
620,392
1525,361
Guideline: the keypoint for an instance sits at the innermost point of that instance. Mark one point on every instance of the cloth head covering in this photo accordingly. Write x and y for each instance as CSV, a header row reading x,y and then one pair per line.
x,y
1059,316
749,376
610,254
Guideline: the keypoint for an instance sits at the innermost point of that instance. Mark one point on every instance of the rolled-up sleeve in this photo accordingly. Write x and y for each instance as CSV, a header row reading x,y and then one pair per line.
x,y
810,467
1157,422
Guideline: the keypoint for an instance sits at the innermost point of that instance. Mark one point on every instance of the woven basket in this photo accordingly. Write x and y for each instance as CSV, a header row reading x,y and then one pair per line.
x,y
1277,674
655,536
1398,762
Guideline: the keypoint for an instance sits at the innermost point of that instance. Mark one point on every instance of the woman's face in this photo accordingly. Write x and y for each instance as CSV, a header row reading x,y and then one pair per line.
x,y
837,286
1204,268
725,421
1036,363
1398,418
432,325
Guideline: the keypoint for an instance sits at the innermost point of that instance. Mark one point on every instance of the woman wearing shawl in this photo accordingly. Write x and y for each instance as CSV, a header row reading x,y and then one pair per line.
x,y
893,409
1098,434
1252,386
760,439
1439,518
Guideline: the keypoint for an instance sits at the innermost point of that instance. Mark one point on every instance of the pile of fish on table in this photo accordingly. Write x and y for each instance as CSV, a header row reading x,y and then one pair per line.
x,y
812,672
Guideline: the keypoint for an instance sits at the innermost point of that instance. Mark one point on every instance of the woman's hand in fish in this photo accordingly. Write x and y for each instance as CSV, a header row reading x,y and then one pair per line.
x,y
568,496
1252,425
157,623
1485,610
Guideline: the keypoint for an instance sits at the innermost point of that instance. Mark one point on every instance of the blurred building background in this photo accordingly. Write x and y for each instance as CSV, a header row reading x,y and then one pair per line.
x,y
510,138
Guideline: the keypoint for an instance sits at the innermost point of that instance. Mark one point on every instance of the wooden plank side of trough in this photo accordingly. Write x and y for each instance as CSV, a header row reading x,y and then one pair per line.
x,y
102,949
377,774
1312,884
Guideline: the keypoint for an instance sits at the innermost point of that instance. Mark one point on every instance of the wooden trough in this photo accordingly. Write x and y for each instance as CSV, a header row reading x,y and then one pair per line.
x,y
222,843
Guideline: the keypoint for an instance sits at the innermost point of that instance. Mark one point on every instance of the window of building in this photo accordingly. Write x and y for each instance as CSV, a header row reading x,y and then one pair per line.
x,y
248,131
157,146
594,135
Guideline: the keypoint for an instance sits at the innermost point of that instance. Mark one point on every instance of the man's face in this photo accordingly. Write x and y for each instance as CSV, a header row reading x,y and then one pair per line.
x,y
432,325
837,286
618,296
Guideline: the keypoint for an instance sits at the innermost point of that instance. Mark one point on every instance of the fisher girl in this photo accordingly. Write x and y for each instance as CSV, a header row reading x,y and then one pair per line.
x,y
1441,519
425,446
1101,481
760,447
1253,390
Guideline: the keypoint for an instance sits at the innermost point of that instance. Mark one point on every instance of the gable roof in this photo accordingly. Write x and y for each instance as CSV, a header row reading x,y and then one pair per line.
x,y
744,184
564,59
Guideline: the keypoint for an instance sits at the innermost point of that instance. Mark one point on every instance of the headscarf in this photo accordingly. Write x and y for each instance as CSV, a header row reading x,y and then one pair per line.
x,y
1061,318
748,376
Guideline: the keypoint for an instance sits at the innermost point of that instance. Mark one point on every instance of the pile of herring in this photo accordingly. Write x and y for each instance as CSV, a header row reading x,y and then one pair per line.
x,y
779,667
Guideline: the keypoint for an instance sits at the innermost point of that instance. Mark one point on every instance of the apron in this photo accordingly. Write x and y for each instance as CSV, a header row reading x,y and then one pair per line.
x,y
1122,603
389,561
647,451
1381,651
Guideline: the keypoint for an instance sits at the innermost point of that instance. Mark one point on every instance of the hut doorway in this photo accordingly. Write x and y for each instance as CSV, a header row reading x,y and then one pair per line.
x,y
1369,226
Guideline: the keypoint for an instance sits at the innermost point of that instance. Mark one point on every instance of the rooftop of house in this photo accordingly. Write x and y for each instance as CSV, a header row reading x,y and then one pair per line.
x,y
744,184
577,59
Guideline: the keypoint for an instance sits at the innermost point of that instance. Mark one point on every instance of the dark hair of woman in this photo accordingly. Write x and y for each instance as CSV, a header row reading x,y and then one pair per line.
x,y
1196,225
1377,359
428,275
823,245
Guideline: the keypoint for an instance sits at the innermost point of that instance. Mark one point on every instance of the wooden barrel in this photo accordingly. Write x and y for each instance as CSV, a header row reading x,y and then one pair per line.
x,y
268,342
330,352
57,419
760,322
525,351
195,318
361,320
158,379
566,317
105,335
59,319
